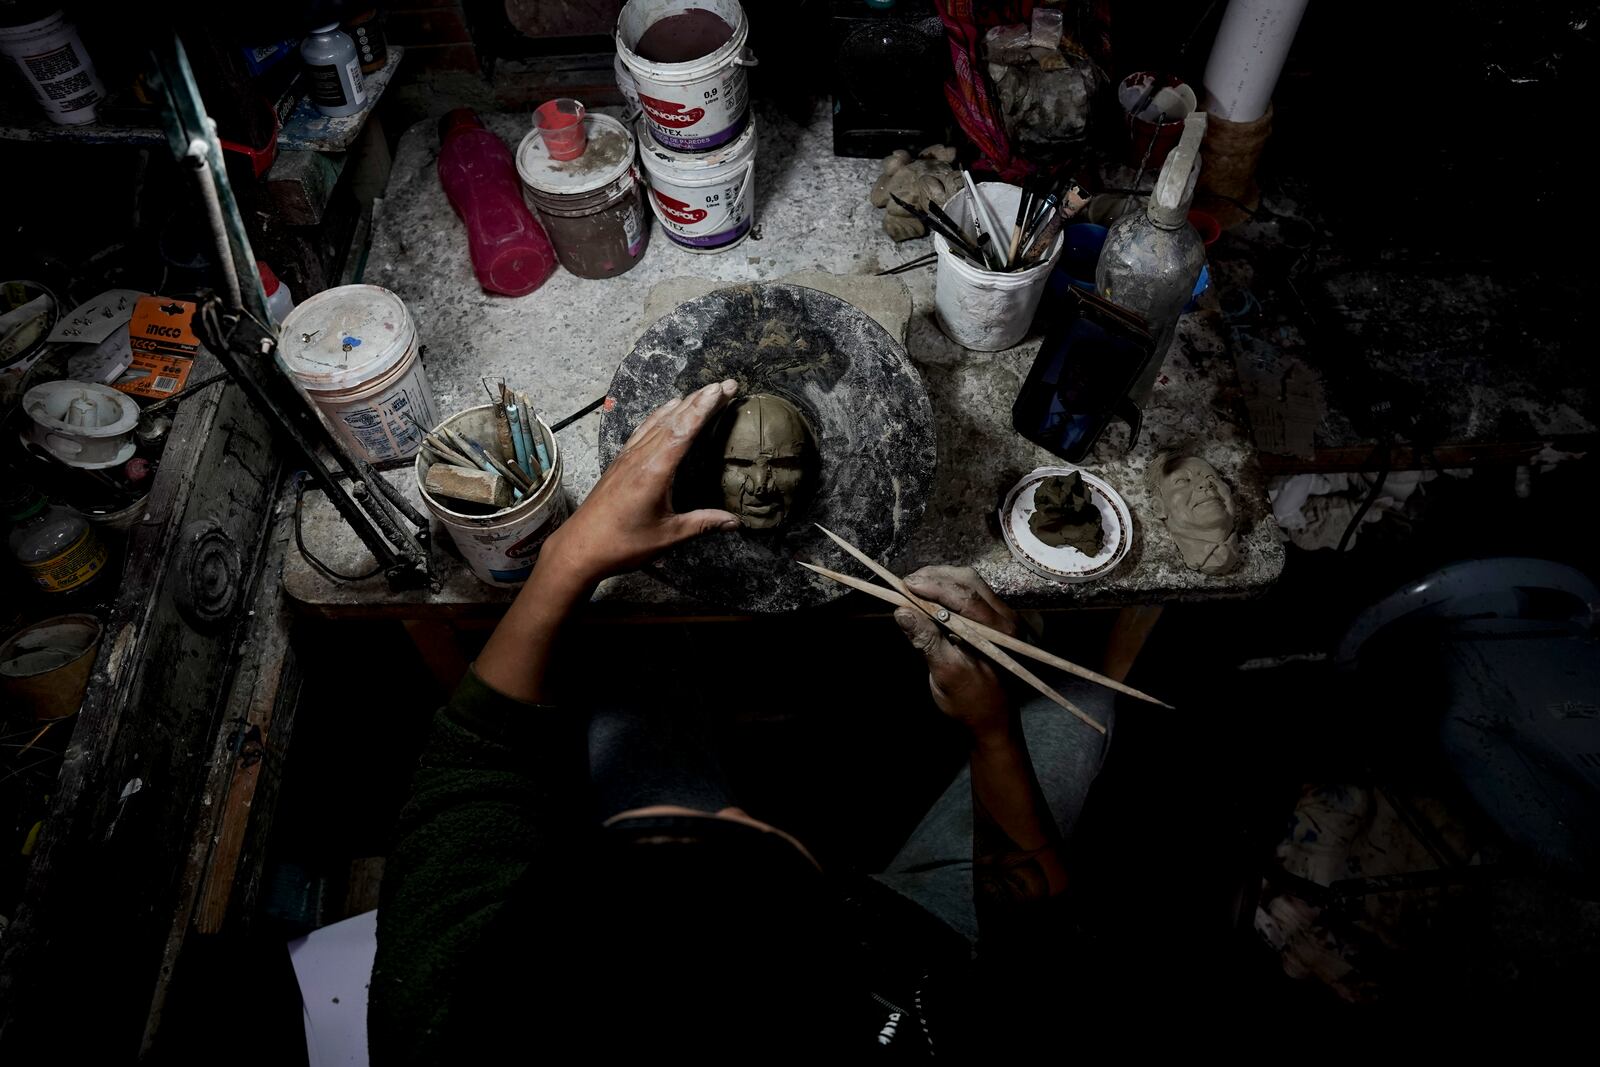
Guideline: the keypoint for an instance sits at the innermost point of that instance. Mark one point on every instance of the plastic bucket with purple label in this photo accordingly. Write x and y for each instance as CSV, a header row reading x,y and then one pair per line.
x,y
691,102
705,201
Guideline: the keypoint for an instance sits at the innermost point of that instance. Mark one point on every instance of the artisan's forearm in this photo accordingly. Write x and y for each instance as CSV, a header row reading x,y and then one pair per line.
x,y
1015,842
516,659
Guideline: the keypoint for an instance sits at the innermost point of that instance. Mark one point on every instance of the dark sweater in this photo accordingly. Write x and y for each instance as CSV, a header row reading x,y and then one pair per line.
x,y
489,909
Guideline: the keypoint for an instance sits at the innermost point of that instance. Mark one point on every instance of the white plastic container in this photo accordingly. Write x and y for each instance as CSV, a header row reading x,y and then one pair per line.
x,y
353,349
501,548
52,61
705,201
83,424
693,106
987,310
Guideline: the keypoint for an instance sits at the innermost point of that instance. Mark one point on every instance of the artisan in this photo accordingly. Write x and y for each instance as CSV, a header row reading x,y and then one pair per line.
x,y
574,878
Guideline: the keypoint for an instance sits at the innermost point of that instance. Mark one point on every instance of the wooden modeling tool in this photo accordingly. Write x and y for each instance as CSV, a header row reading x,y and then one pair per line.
x,y
984,638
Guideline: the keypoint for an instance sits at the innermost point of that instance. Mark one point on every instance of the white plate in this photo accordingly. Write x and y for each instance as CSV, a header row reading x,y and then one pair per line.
x,y
1065,563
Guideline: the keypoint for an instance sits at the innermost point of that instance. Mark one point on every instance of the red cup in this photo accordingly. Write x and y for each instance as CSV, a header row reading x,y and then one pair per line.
x,y
561,123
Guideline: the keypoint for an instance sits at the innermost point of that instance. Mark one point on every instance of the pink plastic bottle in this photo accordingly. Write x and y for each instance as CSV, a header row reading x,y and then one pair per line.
x,y
510,253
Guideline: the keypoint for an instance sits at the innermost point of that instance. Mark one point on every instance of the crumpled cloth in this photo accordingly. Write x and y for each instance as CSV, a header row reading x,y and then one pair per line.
x,y
1314,509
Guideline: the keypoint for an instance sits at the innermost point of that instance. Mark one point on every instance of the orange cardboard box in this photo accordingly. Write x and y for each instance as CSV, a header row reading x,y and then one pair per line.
x,y
162,336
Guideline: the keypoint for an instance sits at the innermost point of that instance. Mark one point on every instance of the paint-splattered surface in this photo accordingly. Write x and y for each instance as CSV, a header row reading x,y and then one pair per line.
x,y
563,342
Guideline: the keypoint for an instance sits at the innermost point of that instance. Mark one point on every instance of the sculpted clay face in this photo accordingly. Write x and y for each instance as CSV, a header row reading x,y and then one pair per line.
x,y
764,460
1198,508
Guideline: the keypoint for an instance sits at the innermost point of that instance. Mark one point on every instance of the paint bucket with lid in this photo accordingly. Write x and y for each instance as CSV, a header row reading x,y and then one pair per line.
x,y
705,201
50,57
353,349
592,206
500,547
692,102
987,310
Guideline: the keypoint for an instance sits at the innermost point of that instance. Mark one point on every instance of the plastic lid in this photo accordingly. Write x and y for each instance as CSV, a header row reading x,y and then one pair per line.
x,y
356,333
269,280
1169,201
608,157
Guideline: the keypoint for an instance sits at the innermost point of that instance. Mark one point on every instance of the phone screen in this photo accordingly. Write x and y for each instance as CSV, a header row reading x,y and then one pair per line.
x,y
1080,378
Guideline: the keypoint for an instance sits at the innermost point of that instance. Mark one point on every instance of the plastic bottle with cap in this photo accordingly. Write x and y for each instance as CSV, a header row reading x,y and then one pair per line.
x,y
510,252
1152,258
334,69
280,301
55,546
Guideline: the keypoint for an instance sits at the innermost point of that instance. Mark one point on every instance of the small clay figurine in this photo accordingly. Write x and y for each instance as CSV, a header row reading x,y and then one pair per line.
x,y
929,177
1064,514
1197,506
765,458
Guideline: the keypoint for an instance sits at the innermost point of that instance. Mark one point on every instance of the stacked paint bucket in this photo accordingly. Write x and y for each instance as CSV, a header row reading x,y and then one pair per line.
x,y
683,62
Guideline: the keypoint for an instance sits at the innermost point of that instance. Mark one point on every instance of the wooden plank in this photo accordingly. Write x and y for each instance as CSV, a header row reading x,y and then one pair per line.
x,y
246,754
103,881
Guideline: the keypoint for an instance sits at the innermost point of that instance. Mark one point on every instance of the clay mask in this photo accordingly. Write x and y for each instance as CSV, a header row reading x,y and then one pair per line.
x,y
764,460
1198,508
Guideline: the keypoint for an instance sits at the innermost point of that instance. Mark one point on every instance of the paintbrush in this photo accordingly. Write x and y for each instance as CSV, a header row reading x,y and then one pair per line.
x,y
984,222
518,453
1072,202
954,232
954,236
1023,202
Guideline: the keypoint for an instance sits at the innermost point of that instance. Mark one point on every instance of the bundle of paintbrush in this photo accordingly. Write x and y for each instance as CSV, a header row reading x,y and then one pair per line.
x,y
1047,204
494,473
1044,207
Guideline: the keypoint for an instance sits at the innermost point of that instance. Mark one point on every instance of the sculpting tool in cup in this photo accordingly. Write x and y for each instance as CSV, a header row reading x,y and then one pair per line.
x,y
999,637
984,219
1072,202
519,437
535,435
955,233
503,435
487,461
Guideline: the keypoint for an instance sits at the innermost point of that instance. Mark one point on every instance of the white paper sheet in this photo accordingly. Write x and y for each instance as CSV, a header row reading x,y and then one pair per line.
x,y
333,966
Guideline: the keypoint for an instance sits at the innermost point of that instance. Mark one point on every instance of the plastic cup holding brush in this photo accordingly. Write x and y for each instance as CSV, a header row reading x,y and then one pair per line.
x,y
560,121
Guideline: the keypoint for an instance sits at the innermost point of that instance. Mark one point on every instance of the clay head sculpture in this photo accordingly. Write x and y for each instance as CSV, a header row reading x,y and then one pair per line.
x,y
929,177
1197,505
765,457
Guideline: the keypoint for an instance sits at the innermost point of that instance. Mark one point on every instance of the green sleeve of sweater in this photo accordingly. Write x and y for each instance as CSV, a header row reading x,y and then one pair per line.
x,y
499,783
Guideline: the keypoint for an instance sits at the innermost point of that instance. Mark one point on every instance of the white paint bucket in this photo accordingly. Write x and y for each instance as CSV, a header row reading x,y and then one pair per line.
x,y
987,310
500,548
693,106
705,201
51,59
353,349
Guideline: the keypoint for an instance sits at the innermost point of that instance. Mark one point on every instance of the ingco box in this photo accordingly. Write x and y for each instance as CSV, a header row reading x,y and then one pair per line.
x,y
164,344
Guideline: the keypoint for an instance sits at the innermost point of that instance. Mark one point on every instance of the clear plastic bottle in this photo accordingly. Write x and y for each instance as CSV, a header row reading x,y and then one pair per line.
x,y
337,87
1152,258
280,301
55,546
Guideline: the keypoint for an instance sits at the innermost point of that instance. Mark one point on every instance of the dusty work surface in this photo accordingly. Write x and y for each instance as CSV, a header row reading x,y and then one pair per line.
x,y
563,342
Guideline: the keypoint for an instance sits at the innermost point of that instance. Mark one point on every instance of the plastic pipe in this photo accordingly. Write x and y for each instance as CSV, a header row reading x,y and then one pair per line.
x,y
1248,55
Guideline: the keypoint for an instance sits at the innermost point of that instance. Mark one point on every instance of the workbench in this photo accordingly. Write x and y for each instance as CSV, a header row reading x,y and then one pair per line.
x,y
562,343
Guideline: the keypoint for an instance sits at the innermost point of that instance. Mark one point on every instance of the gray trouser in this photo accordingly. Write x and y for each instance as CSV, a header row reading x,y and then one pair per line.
x,y
934,866
638,759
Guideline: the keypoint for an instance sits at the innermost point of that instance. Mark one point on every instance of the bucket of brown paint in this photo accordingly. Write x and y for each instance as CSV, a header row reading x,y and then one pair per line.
x,y
592,206
687,61
45,667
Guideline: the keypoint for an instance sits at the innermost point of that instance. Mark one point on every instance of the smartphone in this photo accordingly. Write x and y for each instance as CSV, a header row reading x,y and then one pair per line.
x,y
1080,379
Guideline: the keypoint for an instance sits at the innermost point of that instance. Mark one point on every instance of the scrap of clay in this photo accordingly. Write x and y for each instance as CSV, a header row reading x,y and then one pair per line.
x,y
1064,514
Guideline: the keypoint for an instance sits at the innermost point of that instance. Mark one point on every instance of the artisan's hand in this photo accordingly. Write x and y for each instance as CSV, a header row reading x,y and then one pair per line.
x,y
627,519
964,684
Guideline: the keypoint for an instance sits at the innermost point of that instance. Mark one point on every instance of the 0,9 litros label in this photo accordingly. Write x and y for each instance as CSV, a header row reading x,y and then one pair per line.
x,y
82,560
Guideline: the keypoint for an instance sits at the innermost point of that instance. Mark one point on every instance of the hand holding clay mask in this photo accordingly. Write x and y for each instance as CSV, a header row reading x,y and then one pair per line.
x,y
764,460
1198,508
